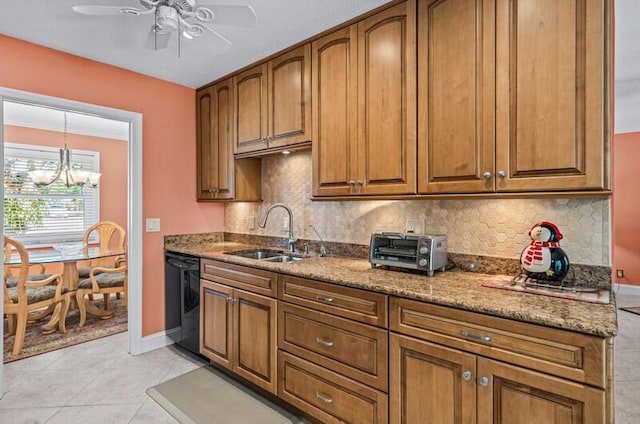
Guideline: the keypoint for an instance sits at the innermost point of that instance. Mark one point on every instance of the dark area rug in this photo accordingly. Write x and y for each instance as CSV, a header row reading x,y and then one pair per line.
x,y
36,343
632,309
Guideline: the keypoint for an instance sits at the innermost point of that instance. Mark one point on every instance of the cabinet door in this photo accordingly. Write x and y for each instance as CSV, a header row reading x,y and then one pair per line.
x,y
250,106
456,95
334,113
513,395
551,94
216,320
431,384
387,102
222,140
255,339
290,98
206,166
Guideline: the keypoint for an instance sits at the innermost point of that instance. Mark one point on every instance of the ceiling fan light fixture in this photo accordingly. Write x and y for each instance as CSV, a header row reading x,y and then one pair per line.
x,y
167,18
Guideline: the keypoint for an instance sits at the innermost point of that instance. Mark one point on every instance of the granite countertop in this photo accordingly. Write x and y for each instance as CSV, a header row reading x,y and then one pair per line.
x,y
457,289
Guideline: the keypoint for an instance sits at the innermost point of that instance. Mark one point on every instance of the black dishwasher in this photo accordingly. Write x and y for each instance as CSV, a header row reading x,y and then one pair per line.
x,y
182,299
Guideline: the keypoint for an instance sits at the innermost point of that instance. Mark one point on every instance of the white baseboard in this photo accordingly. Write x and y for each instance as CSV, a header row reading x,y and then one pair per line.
x,y
627,289
158,340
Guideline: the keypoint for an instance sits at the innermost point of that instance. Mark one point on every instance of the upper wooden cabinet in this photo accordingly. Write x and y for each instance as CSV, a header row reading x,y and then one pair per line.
x,y
515,98
273,103
364,110
219,177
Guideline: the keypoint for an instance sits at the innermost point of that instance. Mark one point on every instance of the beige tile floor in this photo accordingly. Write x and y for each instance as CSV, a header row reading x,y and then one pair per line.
x,y
99,382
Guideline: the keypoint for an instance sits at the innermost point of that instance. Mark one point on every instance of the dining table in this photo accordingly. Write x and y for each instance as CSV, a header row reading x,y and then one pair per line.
x,y
70,279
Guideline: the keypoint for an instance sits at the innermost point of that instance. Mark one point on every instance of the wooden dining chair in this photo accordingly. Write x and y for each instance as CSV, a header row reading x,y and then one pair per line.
x,y
29,295
109,234
11,280
101,281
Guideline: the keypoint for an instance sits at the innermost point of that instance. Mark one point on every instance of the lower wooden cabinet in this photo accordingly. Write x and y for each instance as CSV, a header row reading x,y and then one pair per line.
x,y
238,331
327,396
431,383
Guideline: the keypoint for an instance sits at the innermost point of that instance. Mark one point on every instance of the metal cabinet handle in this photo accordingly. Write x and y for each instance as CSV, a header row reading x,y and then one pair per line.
x,y
352,183
483,381
501,174
465,333
324,342
487,175
324,397
213,190
360,182
324,299
466,375
230,299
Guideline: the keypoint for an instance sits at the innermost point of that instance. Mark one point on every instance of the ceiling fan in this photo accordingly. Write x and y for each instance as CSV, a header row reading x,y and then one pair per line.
x,y
183,16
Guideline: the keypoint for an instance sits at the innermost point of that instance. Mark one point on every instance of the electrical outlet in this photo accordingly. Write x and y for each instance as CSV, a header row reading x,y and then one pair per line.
x,y
252,222
414,226
620,273
285,223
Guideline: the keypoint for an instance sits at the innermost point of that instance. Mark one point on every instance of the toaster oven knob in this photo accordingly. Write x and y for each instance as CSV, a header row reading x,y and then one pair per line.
x,y
423,262
424,250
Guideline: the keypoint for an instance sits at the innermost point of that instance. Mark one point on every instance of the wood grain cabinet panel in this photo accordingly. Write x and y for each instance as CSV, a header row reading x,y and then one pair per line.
x,y
364,107
516,98
219,176
356,350
238,331
250,124
290,98
456,95
327,396
551,88
216,323
273,103
359,305
430,383
509,394
242,277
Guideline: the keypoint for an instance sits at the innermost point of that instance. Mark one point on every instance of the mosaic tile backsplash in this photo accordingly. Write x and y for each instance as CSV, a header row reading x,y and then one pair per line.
x,y
488,227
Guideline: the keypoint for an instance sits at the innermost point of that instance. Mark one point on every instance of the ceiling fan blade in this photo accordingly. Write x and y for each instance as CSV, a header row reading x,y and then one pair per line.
x,y
243,16
157,41
86,9
219,44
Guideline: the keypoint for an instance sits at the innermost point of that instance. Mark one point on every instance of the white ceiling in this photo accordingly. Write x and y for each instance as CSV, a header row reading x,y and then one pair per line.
x,y
45,118
120,40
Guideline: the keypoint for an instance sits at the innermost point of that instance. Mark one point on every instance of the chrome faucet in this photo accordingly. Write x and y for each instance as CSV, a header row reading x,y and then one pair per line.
x,y
263,222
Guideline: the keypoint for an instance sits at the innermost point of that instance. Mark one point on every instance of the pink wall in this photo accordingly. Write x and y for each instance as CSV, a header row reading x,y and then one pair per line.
x,y
113,164
625,207
169,145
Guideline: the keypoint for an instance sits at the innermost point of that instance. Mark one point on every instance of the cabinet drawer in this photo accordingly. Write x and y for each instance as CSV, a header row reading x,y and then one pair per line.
x,y
242,277
347,302
327,396
559,352
356,350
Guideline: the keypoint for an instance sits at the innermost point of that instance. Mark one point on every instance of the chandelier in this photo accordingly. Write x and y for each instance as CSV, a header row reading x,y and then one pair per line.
x,y
65,172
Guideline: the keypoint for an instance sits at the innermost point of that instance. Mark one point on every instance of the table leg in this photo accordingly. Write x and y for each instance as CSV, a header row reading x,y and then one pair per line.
x,y
50,326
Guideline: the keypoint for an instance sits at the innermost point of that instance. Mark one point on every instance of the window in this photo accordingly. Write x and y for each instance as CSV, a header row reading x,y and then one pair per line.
x,y
41,216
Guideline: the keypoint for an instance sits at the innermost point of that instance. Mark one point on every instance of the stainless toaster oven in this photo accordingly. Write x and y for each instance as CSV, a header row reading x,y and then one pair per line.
x,y
424,252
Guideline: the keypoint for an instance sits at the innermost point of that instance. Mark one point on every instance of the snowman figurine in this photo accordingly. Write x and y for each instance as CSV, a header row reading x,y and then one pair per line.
x,y
543,259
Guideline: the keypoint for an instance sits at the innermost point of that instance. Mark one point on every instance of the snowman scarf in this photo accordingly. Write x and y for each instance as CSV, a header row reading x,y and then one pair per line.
x,y
534,251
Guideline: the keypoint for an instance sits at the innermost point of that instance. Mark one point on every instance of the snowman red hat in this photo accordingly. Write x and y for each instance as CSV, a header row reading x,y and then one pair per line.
x,y
543,259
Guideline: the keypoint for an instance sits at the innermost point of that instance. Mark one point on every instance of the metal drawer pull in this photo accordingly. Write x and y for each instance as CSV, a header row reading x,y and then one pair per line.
x,y
466,375
324,342
484,381
465,333
324,398
324,299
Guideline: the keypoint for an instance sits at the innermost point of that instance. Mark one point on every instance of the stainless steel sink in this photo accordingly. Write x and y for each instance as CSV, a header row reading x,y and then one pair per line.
x,y
271,255
284,258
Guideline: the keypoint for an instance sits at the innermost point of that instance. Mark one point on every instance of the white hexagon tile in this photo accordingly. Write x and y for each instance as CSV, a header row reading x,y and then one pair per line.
x,y
488,227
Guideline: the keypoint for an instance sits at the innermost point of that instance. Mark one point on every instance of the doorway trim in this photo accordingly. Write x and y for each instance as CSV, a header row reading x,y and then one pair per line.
x,y
134,204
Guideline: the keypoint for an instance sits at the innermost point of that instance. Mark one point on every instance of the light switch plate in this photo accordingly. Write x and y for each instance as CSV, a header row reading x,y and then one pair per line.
x,y
153,225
